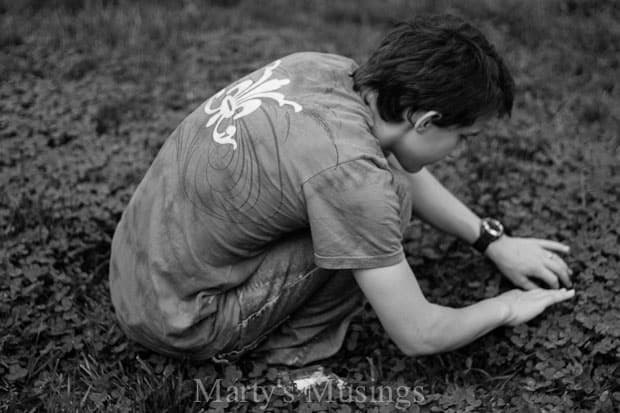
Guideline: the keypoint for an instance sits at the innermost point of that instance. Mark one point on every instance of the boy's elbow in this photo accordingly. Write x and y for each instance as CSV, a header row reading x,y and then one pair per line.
x,y
425,340
419,348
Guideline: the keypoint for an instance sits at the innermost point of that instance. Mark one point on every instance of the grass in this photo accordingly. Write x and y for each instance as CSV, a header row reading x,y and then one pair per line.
x,y
94,87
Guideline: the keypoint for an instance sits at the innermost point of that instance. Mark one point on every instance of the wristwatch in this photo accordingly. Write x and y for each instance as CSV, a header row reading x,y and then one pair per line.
x,y
490,230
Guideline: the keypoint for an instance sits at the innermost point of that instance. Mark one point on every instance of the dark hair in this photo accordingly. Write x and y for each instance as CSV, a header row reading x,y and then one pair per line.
x,y
439,63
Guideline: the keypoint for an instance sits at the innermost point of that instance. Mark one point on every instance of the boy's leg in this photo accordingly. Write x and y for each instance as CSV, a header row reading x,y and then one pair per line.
x,y
282,280
285,281
318,328
302,317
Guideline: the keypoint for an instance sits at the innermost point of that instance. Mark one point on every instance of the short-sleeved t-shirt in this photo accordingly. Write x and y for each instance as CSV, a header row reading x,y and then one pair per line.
x,y
286,148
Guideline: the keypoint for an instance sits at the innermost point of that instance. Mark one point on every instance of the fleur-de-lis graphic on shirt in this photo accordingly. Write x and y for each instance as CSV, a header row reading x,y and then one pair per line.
x,y
243,99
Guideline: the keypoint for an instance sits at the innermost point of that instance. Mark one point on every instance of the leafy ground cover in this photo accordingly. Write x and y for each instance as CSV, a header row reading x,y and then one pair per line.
x,y
89,90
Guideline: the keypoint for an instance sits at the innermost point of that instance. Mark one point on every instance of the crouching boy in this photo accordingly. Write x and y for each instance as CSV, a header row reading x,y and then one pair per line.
x,y
277,208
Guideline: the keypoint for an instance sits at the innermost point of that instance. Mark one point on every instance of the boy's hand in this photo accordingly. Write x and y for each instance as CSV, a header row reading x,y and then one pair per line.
x,y
525,305
521,258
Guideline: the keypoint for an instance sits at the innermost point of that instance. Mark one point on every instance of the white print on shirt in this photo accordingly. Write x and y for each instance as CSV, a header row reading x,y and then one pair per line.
x,y
243,99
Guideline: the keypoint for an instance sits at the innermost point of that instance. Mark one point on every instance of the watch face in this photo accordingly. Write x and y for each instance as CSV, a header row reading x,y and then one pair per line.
x,y
493,227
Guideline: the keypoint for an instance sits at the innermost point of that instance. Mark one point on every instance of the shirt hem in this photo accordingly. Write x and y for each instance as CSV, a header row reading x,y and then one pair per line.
x,y
340,263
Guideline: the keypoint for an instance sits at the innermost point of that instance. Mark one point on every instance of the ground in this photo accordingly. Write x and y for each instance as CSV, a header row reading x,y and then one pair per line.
x,y
89,90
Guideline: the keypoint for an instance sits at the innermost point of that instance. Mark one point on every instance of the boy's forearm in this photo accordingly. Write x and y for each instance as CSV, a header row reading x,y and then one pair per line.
x,y
433,203
453,328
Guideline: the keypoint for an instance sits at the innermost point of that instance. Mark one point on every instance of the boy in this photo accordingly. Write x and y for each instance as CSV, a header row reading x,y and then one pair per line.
x,y
277,207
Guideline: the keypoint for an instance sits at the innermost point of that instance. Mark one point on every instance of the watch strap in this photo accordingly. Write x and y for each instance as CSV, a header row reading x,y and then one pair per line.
x,y
483,241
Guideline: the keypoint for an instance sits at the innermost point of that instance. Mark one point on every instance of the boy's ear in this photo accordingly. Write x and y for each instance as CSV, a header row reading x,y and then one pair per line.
x,y
426,120
370,98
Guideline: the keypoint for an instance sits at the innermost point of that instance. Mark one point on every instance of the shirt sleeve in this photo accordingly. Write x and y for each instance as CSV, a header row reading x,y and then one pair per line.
x,y
354,216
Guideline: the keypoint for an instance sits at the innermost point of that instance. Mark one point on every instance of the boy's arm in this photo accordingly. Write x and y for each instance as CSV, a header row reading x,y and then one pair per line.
x,y
419,327
436,205
517,258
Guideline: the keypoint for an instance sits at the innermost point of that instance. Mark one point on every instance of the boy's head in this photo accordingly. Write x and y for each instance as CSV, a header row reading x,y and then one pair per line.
x,y
441,64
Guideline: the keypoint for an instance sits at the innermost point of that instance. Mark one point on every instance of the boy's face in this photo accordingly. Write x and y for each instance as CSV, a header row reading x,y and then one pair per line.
x,y
417,142
418,146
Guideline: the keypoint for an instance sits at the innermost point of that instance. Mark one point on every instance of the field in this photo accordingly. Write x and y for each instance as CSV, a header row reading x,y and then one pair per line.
x,y
89,91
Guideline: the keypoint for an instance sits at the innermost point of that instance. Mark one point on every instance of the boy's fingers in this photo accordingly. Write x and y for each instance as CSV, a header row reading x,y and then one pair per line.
x,y
553,245
528,285
559,267
539,293
557,296
564,294
547,276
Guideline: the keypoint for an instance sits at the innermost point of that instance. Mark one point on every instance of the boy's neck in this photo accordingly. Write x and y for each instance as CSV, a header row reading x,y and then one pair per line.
x,y
385,132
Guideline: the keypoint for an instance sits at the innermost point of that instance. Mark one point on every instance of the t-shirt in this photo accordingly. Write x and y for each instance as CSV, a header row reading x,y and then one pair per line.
x,y
286,148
